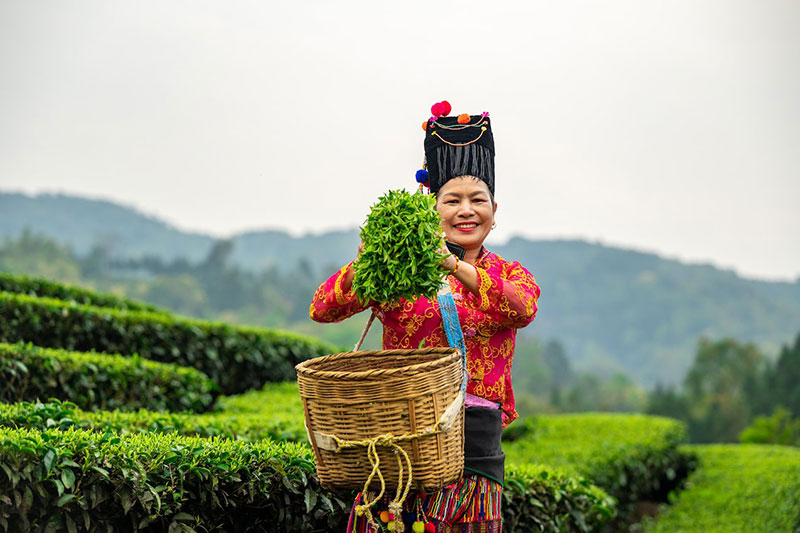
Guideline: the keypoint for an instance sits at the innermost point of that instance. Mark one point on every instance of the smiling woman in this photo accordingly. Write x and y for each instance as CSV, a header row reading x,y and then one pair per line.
x,y
467,208
493,298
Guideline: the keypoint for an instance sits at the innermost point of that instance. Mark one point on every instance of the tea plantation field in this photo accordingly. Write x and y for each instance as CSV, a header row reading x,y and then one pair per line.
x,y
116,416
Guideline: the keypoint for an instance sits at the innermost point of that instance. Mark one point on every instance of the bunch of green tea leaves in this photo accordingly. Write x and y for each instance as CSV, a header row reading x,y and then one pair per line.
x,y
401,258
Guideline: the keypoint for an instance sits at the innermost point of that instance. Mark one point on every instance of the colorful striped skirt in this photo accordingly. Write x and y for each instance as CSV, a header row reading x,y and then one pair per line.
x,y
471,505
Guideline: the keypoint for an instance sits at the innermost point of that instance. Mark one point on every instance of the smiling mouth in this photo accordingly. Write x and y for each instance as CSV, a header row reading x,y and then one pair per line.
x,y
464,226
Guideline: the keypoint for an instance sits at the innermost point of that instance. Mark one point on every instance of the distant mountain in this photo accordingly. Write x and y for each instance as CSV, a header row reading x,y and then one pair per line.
x,y
83,223
614,309
622,308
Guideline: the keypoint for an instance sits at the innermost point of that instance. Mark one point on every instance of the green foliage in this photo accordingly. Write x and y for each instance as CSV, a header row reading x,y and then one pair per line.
x,y
669,402
784,379
76,479
776,429
401,257
37,254
33,286
241,426
100,381
632,457
273,412
235,358
724,389
541,498
737,489
589,392
552,499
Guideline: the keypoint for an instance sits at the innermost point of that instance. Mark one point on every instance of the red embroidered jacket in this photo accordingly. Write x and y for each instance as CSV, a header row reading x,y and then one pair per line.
x,y
507,301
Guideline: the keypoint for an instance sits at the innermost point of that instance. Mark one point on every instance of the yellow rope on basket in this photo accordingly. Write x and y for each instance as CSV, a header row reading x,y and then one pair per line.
x,y
390,441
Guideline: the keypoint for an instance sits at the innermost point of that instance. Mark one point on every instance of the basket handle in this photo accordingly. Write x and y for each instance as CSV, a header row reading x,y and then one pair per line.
x,y
452,328
366,329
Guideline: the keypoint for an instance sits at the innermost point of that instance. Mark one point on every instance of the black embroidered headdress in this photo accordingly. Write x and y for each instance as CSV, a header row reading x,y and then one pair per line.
x,y
457,146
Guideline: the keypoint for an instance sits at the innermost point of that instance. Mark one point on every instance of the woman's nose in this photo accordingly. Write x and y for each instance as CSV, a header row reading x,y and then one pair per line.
x,y
465,208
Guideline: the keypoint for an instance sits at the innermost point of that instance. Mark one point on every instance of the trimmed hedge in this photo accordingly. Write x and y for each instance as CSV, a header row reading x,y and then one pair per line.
x,y
276,405
235,358
274,412
100,381
43,287
537,497
542,498
78,480
633,457
737,488
64,415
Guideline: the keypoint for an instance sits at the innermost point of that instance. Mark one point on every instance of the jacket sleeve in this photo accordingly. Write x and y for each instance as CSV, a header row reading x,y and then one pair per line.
x,y
331,303
508,294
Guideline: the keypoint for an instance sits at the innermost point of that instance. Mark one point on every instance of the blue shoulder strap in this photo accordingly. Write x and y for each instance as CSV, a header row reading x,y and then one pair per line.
x,y
452,327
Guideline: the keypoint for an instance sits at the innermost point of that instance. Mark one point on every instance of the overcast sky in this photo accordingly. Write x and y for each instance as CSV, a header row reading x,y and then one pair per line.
x,y
667,126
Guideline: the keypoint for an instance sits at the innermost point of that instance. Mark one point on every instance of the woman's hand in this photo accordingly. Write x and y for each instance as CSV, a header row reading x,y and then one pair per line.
x,y
347,281
448,263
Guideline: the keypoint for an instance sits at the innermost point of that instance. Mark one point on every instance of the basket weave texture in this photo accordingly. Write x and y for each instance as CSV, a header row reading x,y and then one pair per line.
x,y
361,395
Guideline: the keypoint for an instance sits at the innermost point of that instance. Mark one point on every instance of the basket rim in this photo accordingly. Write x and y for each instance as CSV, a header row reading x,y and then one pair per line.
x,y
306,369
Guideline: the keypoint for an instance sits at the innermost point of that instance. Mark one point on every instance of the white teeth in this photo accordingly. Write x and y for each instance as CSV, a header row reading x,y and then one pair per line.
x,y
469,225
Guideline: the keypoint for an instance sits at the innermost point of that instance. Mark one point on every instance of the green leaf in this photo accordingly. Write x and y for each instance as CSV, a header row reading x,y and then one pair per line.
x,y
71,527
66,498
49,457
310,499
67,478
101,471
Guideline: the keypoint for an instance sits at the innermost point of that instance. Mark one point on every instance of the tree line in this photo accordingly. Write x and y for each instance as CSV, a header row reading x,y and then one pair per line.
x,y
731,389
734,392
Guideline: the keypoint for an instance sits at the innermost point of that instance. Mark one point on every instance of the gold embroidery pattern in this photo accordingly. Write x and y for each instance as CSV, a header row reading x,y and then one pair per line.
x,y
337,287
483,289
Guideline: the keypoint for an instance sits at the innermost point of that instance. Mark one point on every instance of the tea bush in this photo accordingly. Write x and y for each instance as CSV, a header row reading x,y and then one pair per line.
x,y
64,415
632,457
547,498
79,480
75,479
543,498
100,381
33,286
737,488
236,358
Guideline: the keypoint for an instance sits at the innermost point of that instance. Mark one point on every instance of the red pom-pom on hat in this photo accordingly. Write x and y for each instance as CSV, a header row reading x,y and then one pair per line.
x,y
447,107
437,109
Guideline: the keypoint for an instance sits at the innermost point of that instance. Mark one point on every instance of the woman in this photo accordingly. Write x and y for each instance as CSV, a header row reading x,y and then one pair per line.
x,y
493,297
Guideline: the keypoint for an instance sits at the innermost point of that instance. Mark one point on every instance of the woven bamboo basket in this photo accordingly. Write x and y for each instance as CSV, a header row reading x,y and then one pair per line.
x,y
361,395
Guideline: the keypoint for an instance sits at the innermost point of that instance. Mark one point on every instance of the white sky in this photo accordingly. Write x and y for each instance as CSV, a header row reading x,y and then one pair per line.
x,y
668,126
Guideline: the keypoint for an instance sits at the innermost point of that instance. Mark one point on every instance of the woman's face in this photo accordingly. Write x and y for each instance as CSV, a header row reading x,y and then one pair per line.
x,y
467,211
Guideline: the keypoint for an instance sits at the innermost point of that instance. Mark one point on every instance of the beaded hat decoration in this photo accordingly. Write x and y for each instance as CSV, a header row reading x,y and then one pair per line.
x,y
456,146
